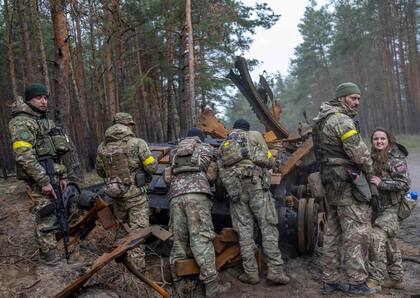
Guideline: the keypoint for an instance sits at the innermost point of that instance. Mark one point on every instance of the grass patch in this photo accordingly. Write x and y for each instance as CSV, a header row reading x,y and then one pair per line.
x,y
411,142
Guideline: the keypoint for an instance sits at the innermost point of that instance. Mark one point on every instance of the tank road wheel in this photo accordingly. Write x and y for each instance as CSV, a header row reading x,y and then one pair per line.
x,y
301,225
311,225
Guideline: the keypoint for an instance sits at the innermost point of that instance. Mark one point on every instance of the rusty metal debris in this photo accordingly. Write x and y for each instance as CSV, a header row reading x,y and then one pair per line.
x,y
127,243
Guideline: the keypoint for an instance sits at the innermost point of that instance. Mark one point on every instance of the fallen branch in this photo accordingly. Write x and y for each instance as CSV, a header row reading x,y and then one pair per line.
x,y
30,286
411,259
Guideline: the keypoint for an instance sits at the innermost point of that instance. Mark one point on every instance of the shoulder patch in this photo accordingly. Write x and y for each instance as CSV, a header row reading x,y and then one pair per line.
x,y
24,135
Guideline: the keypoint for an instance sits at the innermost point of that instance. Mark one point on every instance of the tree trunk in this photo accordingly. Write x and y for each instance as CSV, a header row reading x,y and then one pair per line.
x,y
112,102
183,103
43,55
118,45
8,45
191,64
27,51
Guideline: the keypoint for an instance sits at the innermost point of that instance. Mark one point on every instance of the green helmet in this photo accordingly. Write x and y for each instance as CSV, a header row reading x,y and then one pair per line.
x,y
123,118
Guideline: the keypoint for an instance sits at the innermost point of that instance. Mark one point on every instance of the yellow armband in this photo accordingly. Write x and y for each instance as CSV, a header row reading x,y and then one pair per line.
x,y
148,161
348,134
19,144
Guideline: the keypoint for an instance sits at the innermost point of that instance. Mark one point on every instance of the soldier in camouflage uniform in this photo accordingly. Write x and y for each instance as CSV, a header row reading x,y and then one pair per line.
x,y
344,158
247,182
392,182
122,173
192,170
34,139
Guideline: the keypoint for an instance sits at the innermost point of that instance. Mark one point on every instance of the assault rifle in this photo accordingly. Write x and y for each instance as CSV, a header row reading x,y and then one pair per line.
x,y
60,205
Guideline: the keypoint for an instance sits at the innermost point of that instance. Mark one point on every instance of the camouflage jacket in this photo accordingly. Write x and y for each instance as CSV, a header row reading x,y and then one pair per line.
x,y
395,180
340,131
193,182
138,152
27,129
256,143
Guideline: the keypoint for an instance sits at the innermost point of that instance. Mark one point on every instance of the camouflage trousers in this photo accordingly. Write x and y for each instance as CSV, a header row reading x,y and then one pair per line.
x,y
384,254
133,211
46,241
191,223
348,230
256,204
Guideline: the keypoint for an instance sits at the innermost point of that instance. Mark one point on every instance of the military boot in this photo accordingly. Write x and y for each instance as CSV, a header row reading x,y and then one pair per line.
x,y
373,284
360,290
278,277
50,258
215,288
251,278
394,284
329,288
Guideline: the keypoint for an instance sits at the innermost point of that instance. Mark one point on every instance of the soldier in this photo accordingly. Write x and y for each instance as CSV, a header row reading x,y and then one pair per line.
x,y
192,169
126,164
39,145
243,166
344,160
392,182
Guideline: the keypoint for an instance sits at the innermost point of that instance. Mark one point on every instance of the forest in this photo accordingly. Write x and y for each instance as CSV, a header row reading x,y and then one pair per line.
x,y
165,60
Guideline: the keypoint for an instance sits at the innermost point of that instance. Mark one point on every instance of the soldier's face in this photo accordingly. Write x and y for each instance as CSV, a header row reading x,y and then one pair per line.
x,y
379,140
352,100
39,102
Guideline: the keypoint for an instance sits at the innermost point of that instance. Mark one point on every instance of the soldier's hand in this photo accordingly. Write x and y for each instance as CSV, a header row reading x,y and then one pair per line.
x,y
63,185
375,180
48,190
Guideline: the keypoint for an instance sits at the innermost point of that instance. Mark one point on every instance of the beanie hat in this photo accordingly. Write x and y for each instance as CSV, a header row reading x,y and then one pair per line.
x,y
241,124
345,89
196,132
123,118
34,90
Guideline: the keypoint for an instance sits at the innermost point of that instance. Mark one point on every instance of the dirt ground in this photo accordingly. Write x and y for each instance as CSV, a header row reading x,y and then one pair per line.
x,y
21,275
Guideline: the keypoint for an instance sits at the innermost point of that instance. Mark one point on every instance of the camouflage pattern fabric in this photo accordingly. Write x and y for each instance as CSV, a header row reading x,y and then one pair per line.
x,y
133,211
340,133
348,233
384,254
249,202
132,208
348,219
27,128
256,204
28,142
193,182
191,225
46,241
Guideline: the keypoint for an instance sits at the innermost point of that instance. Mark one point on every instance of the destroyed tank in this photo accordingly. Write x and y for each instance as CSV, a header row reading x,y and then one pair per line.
x,y
301,214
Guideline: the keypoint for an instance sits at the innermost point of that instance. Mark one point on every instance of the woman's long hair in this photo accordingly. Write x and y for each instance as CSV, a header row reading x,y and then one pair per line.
x,y
380,157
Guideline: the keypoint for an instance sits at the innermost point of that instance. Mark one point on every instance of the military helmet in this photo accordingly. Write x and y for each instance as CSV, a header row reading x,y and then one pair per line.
x,y
123,118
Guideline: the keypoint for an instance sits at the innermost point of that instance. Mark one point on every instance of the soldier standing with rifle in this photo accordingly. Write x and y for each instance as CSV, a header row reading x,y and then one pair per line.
x,y
39,145
344,164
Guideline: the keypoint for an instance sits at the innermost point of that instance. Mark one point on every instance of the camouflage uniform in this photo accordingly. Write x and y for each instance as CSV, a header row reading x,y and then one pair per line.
x,y
27,129
348,219
190,215
132,208
384,254
253,201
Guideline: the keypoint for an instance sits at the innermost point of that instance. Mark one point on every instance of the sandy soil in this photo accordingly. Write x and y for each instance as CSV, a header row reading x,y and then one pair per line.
x,y
22,276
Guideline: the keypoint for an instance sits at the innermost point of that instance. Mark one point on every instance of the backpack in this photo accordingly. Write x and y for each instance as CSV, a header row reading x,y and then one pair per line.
x,y
186,157
235,148
115,162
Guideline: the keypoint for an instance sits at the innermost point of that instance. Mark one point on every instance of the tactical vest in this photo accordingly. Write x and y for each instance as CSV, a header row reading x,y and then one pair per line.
x,y
115,162
324,151
187,157
235,148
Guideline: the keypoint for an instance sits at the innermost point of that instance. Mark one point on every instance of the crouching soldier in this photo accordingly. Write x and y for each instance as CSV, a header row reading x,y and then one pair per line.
x,y
126,163
39,146
192,170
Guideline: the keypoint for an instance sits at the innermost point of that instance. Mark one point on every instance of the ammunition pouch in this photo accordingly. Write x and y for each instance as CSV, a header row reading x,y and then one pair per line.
x,y
406,208
332,174
185,169
142,178
115,188
59,140
232,183
266,179
316,186
45,211
360,188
